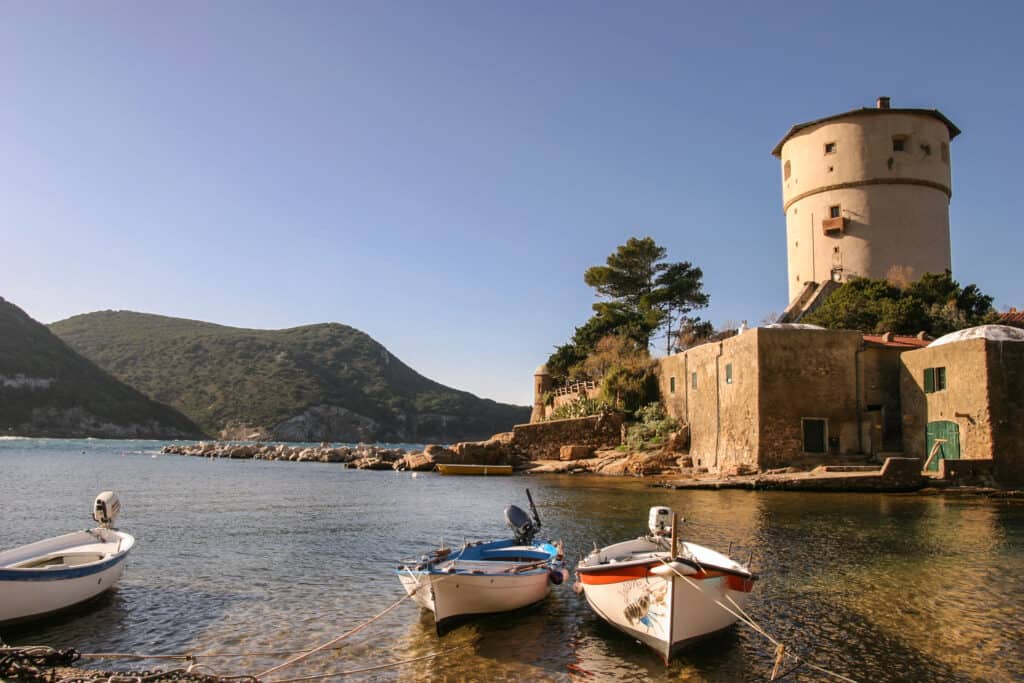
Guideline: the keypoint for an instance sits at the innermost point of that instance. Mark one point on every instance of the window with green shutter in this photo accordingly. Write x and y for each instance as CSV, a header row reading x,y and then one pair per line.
x,y
671,385
929,380
940,378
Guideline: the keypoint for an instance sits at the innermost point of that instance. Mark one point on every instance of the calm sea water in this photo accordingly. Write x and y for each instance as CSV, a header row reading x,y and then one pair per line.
x,y
254,556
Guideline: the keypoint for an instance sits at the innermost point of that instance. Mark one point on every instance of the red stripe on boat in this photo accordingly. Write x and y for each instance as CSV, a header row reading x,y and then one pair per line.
x,y
613,574
616,574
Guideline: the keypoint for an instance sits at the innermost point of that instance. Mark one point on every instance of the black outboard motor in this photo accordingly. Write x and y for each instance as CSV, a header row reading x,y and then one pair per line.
x,y
521,524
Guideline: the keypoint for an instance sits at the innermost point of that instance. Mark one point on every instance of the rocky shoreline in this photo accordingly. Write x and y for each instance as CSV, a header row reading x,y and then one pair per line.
x,y
498,450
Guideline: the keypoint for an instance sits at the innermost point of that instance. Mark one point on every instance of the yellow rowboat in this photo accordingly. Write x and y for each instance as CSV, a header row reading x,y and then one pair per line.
x,y
485,470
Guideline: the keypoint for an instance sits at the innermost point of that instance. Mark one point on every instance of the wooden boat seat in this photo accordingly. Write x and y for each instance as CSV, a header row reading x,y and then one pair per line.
x,y
60,560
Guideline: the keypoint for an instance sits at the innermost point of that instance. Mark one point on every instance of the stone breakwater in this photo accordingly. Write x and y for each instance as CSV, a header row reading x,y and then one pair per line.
x,y
498,450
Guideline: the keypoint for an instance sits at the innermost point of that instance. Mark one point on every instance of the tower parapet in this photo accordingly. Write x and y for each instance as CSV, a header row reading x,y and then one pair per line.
x,y
866,194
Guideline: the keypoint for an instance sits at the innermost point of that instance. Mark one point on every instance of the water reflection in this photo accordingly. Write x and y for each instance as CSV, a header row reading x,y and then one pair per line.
x,y
270,557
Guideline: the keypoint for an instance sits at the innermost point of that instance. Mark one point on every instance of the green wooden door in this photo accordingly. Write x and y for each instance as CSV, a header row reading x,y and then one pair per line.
x,y
949,449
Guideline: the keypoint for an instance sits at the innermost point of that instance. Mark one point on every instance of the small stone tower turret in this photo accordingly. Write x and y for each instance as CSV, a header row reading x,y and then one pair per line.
x,y
866,193
541,385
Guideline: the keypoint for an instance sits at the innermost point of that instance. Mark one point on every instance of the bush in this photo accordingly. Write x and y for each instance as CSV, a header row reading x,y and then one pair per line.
x,y
581,407
651,429
629,388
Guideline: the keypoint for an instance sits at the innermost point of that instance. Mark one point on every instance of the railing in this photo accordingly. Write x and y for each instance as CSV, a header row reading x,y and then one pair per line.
x,y
575,388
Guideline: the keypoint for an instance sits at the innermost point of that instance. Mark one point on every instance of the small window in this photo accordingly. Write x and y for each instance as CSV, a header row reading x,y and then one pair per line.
x,y
945,152
785,171
693,380
815,435
830,148
899,143
671,385
934,379
835,211
728,373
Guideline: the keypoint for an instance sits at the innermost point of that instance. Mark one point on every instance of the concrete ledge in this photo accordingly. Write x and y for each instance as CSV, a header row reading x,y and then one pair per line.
x,y
895,475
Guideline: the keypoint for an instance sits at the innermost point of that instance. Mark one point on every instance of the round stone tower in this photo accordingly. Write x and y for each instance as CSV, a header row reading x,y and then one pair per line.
x,y
541,385
866,193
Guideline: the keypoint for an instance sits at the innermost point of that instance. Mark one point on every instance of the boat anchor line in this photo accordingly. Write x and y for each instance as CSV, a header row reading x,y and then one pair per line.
x,y
741,615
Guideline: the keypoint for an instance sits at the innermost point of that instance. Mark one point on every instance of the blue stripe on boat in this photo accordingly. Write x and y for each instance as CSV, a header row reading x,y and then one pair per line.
x,y
60,574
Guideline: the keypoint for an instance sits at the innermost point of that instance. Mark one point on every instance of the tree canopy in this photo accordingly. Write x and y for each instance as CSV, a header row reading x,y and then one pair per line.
x,y
643,293
655,293
935,304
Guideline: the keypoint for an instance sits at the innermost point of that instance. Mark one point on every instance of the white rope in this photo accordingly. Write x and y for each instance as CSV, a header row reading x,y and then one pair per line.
x,y
749,621
350,632
343,636
389,665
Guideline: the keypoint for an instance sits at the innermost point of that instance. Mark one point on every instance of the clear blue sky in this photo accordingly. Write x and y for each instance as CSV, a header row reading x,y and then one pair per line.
x,y
439,175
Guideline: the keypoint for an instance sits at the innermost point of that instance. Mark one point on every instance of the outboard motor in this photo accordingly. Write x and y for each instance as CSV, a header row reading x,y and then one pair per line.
x,y
105,509
521,524
659,521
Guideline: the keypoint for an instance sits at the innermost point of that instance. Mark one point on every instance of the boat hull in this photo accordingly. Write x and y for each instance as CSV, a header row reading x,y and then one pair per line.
x,y
454,596
482,578
475,470
54,575
665,604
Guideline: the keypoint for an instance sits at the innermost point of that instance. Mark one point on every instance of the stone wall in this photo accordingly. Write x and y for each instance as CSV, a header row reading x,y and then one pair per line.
x,y
807,374
964,401
879,382
542,440
672,385
1006,400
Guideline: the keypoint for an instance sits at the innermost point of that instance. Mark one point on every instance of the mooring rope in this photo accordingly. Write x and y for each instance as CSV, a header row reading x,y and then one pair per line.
x,y
343,636
757,628
378,667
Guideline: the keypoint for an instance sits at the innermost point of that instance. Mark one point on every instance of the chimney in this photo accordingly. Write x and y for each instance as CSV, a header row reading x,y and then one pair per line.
x,y
882,103
887,337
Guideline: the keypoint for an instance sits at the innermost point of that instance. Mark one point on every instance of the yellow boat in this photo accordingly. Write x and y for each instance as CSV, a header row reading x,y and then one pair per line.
x,y
485,470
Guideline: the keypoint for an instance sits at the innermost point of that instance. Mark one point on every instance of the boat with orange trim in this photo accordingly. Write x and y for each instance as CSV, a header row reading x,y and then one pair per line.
x,y
663,592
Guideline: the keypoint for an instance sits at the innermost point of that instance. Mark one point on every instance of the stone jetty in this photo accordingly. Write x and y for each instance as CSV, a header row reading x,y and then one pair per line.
x,y
498,450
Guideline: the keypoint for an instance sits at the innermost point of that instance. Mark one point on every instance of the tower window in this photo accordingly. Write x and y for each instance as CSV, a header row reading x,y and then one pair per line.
x,y
834,211
830,148
945,152
899,143
671,385
785,171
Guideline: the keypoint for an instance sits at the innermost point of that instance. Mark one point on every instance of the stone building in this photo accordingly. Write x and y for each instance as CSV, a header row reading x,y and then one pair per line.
x,y
542,384
866,193
785,394
963,399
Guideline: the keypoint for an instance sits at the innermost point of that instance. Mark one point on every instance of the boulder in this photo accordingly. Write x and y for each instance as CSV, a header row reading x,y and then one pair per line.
x,y
575,452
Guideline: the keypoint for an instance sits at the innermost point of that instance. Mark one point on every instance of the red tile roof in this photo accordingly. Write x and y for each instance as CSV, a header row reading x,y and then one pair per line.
x,y
1012,317
895,341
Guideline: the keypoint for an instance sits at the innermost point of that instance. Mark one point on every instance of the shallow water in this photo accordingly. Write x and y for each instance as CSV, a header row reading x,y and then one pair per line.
x,y
254,556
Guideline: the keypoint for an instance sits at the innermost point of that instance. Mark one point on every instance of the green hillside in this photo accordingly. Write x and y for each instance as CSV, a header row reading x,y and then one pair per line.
x,y
47,389
325,382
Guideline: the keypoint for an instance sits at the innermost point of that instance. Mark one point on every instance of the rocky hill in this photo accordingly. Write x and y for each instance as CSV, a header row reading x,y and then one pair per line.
x,y
47,389
325,382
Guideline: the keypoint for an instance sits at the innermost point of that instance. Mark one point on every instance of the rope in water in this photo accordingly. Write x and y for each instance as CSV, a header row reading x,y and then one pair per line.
x,y
343,636
379,667
747,620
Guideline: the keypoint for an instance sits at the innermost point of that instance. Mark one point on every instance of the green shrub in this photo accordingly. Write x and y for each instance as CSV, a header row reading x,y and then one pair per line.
x,y
628,388
581,407
651,429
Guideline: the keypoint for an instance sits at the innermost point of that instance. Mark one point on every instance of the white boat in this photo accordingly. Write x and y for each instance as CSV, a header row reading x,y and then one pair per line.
x,y
661,592
52,575
485,577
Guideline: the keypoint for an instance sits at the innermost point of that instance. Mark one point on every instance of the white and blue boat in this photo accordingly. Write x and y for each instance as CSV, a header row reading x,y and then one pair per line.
x,y
486,577
50,576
